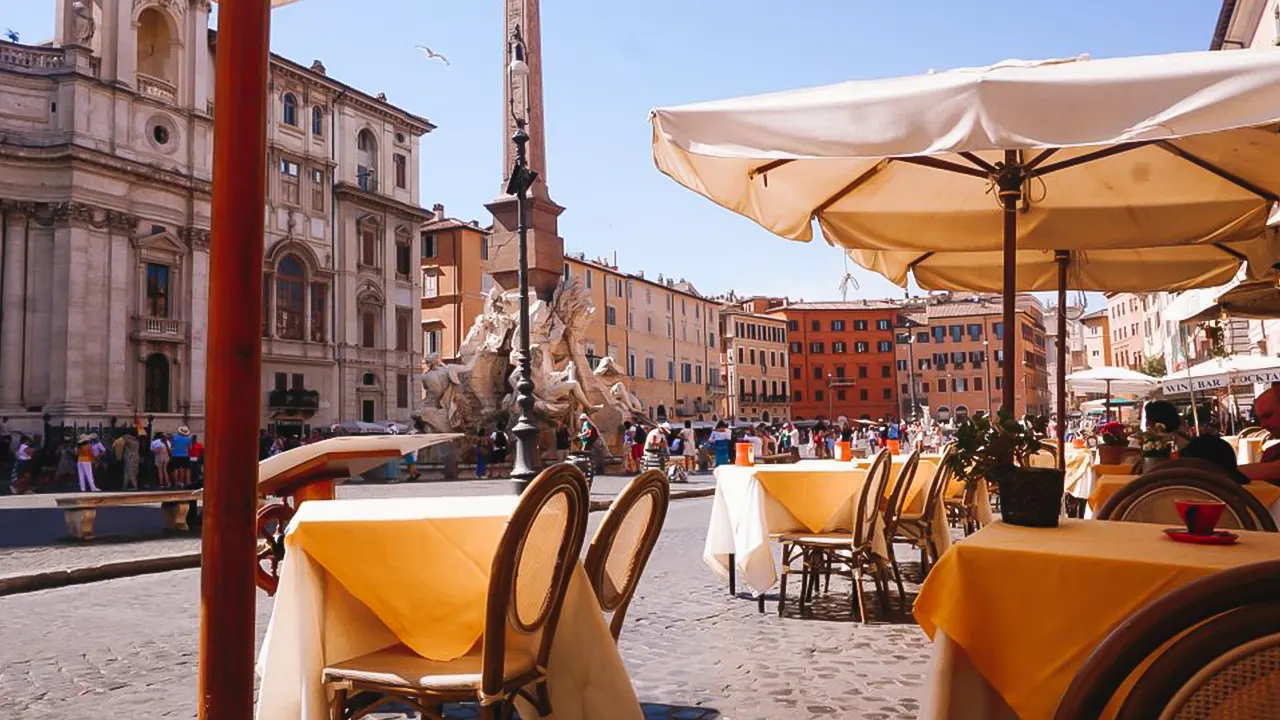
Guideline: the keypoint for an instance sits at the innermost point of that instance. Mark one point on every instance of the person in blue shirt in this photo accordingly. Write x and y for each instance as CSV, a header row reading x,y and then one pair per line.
x,y
180,460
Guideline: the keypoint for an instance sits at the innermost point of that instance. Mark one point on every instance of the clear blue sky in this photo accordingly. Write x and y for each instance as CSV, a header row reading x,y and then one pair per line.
x,y
608,63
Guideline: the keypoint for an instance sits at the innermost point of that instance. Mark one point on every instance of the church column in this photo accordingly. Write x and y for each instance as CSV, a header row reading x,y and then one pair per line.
x,y
13,265
120,306
202,88
125,44
109,38
198,283
67,354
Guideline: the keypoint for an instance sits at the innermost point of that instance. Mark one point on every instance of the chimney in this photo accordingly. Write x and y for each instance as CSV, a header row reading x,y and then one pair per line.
x,y
438,209
318,67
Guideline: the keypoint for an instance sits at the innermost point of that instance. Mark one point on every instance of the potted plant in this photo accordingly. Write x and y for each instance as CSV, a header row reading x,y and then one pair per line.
x,y
1115,438
1157,446
998,452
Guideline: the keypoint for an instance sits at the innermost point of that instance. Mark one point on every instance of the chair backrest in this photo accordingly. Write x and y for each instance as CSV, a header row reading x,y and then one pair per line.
x,y
624,541
532,567
868,505
1190,463
1189,467
941,479
1252,431
898,498
1225,666
1150,498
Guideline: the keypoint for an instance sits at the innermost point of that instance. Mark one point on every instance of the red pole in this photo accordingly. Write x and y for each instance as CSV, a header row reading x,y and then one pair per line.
x,y
227,591
1064,258
1010,186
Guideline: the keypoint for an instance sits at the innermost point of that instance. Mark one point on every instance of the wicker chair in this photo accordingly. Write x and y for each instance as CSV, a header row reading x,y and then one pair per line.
x,y
1150,498
624,541
916,528
1207,471
893,514
822,553
962,512
526,592
1222,658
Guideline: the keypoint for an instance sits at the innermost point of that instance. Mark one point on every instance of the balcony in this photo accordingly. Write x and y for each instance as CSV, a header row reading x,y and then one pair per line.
x,y
294,400
718,389
747,398
159,329
32,59
155,88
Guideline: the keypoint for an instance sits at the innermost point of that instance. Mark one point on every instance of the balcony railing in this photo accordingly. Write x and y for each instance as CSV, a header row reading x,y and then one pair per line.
x,y
153,328
294,399
154,87
24,57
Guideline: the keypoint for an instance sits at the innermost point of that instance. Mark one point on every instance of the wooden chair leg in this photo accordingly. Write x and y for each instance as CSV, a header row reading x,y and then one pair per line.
x,y
544,699
804,579
339,704
857,591
897,576
782,582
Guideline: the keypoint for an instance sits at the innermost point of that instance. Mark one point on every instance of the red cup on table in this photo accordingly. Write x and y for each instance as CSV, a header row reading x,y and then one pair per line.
x,y
1200,517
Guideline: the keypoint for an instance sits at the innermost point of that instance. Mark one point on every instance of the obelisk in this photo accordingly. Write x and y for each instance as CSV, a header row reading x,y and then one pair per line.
x,y
546,248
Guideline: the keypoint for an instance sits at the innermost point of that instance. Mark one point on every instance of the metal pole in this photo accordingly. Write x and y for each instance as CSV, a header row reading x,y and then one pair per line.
x,y
911,370
986,349
523,468
1064,259
1009,181
233,388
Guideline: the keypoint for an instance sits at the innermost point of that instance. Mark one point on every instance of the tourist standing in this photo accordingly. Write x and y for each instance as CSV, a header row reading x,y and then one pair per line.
x,y
721,441
160,456
264,444
498,446
197,462
180,462
628,440
129,456
657,447
689,446
482,454
84,464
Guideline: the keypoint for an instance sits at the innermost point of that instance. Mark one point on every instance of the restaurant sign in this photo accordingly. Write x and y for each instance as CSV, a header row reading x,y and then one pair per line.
x,y
1174,386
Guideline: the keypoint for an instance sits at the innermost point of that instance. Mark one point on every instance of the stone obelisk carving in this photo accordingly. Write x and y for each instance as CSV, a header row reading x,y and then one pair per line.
x,y
546,248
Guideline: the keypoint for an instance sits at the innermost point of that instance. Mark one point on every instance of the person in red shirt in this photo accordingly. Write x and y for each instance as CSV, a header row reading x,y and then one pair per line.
x,y
197,462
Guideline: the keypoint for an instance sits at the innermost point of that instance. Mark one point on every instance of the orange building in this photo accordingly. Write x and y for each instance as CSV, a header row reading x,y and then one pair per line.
x,y
842,358
453,282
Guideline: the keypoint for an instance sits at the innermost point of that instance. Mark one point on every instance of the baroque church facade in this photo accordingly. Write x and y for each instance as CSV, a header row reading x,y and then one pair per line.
x,y
106,160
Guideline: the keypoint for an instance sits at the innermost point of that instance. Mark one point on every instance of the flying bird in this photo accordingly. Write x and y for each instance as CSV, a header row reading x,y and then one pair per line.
x,y
432,54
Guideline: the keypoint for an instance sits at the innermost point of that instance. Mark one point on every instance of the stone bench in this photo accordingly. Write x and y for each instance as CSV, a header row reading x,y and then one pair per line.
x,y
82,510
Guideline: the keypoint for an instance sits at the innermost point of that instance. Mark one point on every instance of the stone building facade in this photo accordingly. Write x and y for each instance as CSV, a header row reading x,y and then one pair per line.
x,y
756,364
105,179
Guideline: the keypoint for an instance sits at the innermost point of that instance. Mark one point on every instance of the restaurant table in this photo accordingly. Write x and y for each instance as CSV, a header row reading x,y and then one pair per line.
x,y
811,496
363,575
1107,485
1014,612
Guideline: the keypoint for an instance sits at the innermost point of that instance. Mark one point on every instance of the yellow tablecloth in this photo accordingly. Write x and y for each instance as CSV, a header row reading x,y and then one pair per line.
x,y
1107,485
1026,606
362,575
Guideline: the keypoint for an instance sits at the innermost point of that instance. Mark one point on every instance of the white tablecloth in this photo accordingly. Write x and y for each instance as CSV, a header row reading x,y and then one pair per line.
x,y
743,515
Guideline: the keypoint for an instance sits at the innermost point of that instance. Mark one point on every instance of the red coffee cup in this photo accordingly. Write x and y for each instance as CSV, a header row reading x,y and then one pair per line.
x,y
1200,517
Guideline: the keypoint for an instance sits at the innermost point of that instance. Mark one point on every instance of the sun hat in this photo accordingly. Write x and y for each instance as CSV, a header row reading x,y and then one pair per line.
x,y
183,430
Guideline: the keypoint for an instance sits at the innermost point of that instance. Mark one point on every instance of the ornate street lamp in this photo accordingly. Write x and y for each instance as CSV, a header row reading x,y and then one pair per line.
x,y
522,178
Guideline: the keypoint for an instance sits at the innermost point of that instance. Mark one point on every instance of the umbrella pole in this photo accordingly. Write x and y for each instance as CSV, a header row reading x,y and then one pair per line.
x,y
227,589
1009,181
1107,403
1064,258
1191,388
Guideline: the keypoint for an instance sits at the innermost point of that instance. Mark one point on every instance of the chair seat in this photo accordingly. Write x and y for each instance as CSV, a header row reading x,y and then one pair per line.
x,y
823,539
400,667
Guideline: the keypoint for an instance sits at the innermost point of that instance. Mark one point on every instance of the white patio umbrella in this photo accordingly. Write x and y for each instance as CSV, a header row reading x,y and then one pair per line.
x,y
1223,373
1108,379
1049,156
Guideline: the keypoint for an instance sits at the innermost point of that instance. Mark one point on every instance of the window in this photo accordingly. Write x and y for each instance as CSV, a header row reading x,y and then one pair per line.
x,y
884,346
611,315
317,190
289,181
290,113
431,340
957,333
977,383
368,328
486,283
815,325
882,324
902,366
402,390
589,278
793,325
886,371
840,394
942,385
922,336
859,324
369,245
617,286
837,325
924,387
319,317
430,283
817,396
266,305
815,347
838,347
157,290
484,247
400,163
799,396
752,354
999,383
939,334
290,281
863,394
686,373
773,359
861,347
886,394
631,364
428,246
699,374
975,331
862,371
795,372
796,347
671,369
817,372
317,121
998,329
404,251
402,330
650,368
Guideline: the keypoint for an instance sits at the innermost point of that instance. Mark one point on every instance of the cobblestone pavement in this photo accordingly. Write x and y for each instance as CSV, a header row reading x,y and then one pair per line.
x,y
127,648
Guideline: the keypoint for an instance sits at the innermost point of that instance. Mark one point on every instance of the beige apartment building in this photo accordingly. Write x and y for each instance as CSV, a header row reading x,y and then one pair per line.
x,y
105,181
454,284
755,364
1097,338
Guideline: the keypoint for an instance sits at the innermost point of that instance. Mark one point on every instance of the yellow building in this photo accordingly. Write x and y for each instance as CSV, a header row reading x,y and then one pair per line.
x,y
453,281
755,364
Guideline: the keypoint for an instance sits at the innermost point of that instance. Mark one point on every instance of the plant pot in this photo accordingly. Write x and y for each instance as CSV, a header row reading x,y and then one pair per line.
x,y
1150,463
1032,497
1111,454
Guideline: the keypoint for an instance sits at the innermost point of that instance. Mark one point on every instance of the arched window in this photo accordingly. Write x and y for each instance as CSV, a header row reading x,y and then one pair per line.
x,y
317,121
290,286
368,328
367,161
155,44
290,109
156,387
